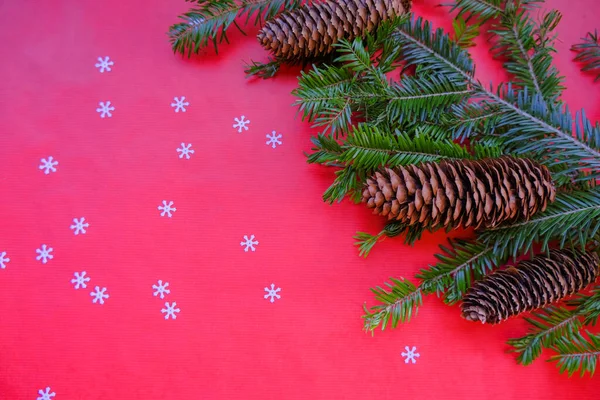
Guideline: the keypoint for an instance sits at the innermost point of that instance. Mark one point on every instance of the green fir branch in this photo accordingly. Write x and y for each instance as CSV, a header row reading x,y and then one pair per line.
x,y
547,327
263,70
400,301
366,241
572,220
589,53
459,265
465,34
209,21
576,353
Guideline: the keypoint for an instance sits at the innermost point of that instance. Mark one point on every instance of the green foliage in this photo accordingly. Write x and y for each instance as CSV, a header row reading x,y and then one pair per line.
x,y
589,53
465,34
576,353
263,70
207,22
464,262
399,301
572,220
365,241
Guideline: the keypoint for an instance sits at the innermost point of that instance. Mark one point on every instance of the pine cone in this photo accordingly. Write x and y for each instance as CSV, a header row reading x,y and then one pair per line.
x,y
461,193
533,284
311,30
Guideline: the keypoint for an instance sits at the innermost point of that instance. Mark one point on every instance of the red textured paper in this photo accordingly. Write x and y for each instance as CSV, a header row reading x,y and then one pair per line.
x,y
228,341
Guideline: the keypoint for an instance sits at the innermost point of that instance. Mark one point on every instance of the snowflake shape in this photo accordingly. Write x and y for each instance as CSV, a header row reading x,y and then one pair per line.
x,y
185,150
79,225
3,260
44,254
272,293
167,209
48,165
170,310
105,109
180,104
80,280
104,64
249,242
99,295
274,139
241,123
45,394
161,289
410,354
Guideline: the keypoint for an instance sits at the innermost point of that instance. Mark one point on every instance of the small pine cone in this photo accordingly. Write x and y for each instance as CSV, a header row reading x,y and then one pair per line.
x,y
461,193
310,31
532,284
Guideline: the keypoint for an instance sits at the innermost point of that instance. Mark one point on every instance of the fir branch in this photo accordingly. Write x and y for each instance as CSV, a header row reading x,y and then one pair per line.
x,y
483,9
366,241
465,34
589,53
548,326
576,353
464,262
209,20
573,219
263,70
400,301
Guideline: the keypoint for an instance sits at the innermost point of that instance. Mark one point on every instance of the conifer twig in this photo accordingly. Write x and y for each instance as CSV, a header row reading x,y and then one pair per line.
x,y
589,53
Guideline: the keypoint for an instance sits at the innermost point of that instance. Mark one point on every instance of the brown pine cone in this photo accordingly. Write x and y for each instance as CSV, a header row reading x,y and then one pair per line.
x,y
532,284
461,193
311,30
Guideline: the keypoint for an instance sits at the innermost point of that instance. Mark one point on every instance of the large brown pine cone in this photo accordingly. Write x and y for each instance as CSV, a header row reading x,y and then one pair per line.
x,y
532,284
311,30
461,193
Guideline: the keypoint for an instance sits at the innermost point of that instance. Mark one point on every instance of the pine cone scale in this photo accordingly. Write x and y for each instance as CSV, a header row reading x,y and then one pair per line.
x,y
532,284
461,193
312,30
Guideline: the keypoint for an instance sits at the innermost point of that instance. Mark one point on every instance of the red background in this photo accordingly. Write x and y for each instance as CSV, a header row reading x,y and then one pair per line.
x,y
228,342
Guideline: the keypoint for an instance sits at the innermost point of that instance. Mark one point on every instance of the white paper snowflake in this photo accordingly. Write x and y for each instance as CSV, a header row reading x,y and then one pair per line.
x,y
44,254
249,242
99,295
167,209
274,139
3,259
180,104
104,64
45,394
272,293
105,109
80,280
170,310
48,165
185,150
79,226
161,289
241,123
410,354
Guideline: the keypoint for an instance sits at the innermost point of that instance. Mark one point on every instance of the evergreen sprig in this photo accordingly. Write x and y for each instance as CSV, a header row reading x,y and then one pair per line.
x,y
399,302
576,353
208,21
589,53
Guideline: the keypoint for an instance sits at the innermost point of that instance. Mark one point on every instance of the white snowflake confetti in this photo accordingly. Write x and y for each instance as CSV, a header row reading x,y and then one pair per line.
x,y
272,293
249,242
3,260
167,209
161,289
99,295
170,310
48,165
410,354
274,139
180,104
44,254
104,64
79,226
80,280
45,394
105,109
241,123
185,150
